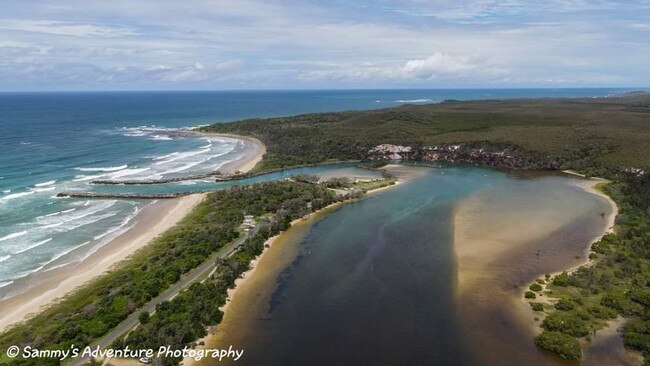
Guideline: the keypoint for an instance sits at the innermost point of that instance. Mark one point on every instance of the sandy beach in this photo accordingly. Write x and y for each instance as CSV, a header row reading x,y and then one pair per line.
x,y
499,255
43,288
246,162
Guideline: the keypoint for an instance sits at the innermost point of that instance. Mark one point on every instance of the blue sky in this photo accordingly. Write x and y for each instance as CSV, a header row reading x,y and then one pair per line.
x,y
291,44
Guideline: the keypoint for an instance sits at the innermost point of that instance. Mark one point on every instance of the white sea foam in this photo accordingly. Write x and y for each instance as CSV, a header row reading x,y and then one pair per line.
x,y
161,138
113,175
108,232
183,167
28,272
166,156
48,183
56,267
120,227
49,226
414,101
13,235
38,244
3,284
83,178
6,191
127,172
64,253
60,218
197,159
179,156
102,169
56,213
4,258
153,131
88,221
16,195
38,190
135,134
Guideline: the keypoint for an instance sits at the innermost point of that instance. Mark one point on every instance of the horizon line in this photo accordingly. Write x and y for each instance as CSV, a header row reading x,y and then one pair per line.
x,y
633,88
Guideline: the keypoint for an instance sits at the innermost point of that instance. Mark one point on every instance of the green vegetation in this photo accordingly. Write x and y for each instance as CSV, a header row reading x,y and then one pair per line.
x,y
537,306
346,183
375,184
184,319
572,323
143,318
616,282
561,344
564,305
529,295
637,335
92,311
535,287
338,183
580,133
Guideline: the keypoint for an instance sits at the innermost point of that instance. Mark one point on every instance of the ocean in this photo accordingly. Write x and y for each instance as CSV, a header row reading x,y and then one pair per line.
x,y
61,141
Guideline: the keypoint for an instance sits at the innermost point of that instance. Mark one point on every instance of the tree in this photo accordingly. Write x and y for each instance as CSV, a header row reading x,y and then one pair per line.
x,y
144,317
563,345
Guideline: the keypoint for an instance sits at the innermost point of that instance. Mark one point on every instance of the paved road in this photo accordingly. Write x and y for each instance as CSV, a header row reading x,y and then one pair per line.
x,y
186,280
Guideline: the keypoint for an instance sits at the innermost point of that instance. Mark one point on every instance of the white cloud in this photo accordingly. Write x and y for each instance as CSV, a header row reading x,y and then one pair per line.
x,y
64,28
439,64
437,67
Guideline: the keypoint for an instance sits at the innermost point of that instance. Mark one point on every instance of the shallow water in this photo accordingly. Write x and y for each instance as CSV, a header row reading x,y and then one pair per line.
x,y
375,282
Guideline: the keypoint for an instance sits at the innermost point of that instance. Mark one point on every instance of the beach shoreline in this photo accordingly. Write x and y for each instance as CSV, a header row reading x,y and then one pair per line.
x,y
251,157
607,346
43,289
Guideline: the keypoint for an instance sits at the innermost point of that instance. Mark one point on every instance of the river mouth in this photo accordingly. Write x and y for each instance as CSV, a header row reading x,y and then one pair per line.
x,y
428,272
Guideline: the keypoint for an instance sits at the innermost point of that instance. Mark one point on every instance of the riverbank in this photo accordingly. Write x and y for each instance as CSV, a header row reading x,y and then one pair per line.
x,y
33,293
498,256
255,287
606,344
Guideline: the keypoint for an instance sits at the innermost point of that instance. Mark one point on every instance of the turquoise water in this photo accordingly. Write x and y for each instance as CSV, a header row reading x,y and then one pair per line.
x,y
60,141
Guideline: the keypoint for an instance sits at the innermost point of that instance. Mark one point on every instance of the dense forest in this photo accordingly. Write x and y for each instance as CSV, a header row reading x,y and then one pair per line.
x,y
92,311
577,133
